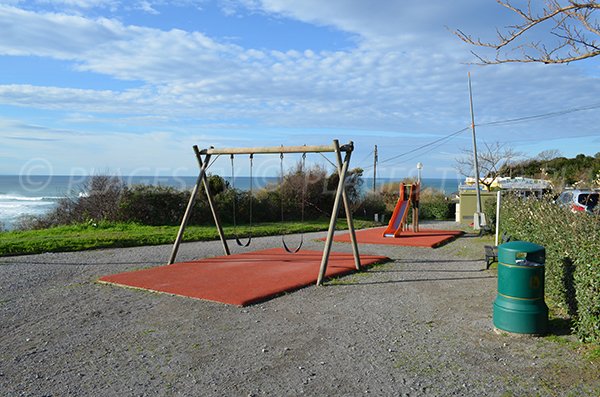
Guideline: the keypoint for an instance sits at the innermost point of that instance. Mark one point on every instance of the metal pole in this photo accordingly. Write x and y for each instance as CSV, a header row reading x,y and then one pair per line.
x,y
348,211
375,159
477,225
498,199
417,197
334,215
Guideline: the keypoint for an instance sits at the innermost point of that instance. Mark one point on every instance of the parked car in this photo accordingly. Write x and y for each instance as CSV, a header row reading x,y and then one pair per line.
x,y
579,200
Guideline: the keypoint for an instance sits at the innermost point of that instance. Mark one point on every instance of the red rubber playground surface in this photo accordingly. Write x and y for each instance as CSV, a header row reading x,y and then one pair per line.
x,y
423,238
240,279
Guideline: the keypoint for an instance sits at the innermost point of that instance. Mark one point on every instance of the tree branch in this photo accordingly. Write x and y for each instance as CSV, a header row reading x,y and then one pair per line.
x,y
570,23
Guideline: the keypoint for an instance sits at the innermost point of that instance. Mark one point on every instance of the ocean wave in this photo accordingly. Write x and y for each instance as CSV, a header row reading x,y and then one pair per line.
x,y
11,212
13,197
14,207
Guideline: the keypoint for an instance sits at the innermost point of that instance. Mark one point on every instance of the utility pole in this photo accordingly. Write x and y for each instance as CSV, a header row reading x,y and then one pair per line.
x,y
375,159
478,218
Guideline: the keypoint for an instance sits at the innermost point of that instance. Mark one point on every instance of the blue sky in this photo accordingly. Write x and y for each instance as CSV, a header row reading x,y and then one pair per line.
x,y
129,86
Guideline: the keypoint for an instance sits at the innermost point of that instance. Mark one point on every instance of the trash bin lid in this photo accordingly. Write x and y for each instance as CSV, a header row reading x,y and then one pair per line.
x,y
513,251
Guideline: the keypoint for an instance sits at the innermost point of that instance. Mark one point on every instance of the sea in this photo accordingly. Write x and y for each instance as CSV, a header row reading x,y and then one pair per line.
x,y
36,195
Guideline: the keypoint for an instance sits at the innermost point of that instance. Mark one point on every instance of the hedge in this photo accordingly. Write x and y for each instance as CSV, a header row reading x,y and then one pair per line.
x,y
572,242
107,198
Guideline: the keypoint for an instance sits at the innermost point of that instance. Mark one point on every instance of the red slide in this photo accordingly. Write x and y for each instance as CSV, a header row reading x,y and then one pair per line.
x,y
399,215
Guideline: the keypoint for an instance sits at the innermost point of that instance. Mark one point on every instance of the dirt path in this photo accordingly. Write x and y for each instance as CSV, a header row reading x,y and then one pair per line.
x,y
420,325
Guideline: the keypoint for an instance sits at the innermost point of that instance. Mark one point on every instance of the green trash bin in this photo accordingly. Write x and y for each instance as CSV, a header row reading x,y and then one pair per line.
x,y
519,306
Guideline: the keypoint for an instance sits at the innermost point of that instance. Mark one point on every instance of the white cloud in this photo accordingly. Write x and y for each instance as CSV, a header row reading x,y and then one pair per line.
x,y
146,6
404,75
52,35
72,152
79,6
387,23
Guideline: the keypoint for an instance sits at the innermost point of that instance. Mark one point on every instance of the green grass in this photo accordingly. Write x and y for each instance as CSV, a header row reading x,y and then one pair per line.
x,y
115,235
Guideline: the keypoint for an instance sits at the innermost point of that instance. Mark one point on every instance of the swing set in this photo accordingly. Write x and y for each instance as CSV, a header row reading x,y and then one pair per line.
x,y
204,157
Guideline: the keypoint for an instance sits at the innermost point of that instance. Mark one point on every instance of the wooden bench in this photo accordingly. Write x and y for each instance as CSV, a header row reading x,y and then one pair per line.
x,y
491,252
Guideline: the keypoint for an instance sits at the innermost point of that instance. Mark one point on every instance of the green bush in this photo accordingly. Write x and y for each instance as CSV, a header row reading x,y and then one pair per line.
x,y
267,205
109,199
225,203
572,242
489,210
371,204
433,204
99,201
153,205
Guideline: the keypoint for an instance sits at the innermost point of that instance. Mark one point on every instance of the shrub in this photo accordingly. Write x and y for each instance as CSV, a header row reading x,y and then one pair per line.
x,y
318,195
372,203
572,242
267,205
433,204
153,205
353,183
225,203
489,210
108,199
31,222
391,192
99,201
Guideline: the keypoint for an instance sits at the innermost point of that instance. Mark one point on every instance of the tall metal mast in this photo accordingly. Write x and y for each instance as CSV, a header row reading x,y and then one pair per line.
x,y
477,219
375,159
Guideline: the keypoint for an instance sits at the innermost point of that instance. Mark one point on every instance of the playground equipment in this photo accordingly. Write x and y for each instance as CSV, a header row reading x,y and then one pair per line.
x,y
204,161
409,196
302,168
235,235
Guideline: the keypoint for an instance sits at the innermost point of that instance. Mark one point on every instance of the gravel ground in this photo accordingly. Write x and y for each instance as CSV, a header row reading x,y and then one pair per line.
x,y
419,325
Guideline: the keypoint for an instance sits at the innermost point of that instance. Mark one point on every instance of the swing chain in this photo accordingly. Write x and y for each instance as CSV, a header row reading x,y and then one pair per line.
x,y
304,187
281,179
251,188
237,239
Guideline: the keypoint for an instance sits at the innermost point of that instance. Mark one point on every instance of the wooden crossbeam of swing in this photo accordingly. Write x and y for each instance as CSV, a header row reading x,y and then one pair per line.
x,y
280,149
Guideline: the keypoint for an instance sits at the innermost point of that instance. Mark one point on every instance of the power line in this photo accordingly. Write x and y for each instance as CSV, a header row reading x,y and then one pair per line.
x,y
539,116
368,156
427,151
491,123
442,139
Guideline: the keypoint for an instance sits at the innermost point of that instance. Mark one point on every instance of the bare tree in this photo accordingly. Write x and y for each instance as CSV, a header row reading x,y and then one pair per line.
x,y
491,158
573,24
549,154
